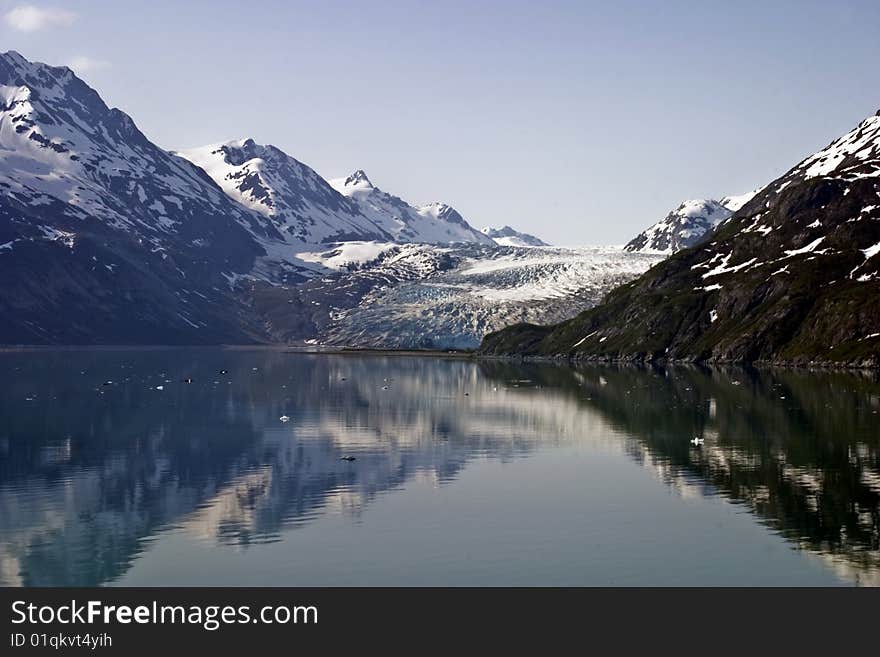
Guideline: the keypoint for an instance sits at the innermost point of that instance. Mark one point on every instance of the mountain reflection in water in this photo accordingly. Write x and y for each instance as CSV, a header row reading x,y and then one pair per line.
x,y
97,464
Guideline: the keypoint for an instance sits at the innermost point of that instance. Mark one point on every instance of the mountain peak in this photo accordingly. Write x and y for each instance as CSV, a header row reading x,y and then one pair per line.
x,y
508,236
16,60
435,223
855,153
443,212
358,178
14,55
504,231
239,151
301,207
682,227
20,70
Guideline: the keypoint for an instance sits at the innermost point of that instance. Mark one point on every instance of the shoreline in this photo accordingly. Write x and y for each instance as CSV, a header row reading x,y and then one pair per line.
x,y
456,354
286,348
432,353
823,366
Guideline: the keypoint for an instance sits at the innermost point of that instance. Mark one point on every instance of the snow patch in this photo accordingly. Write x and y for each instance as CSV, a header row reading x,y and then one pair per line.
x,y
583,339
722,268
348,254
807,249
862,144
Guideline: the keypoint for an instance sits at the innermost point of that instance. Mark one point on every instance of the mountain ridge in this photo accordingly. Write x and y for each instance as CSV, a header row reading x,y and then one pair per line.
x,y
304,208
760,289
105,235
434,223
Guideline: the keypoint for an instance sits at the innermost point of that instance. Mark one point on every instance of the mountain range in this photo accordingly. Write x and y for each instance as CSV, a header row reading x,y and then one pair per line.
x,y
435,223
792,276
107,238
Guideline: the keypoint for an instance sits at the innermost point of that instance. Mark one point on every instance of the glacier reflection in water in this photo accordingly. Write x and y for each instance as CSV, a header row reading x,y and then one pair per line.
x,y
115,468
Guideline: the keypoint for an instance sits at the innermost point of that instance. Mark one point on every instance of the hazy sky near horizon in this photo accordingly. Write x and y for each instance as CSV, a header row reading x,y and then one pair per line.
x,y
582,122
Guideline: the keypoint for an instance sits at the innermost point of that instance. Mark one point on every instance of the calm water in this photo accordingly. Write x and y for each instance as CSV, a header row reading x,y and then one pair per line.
x,y
465,473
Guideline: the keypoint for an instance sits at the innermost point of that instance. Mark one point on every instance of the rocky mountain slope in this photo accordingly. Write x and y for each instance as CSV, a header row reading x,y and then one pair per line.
x,y
301,205
687,224
793,276
103,235
507,236
308,210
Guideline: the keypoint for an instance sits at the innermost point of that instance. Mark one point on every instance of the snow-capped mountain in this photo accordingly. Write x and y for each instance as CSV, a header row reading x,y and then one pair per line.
x,y
687,224
507,236
681,228
103,235
300,204
436,223
61,143
793,276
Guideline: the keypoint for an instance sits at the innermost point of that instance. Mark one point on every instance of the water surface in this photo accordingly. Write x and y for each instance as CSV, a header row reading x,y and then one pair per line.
x,y
481,473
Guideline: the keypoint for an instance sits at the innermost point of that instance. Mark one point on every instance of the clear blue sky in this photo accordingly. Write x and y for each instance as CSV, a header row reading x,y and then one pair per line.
x,y
582,121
